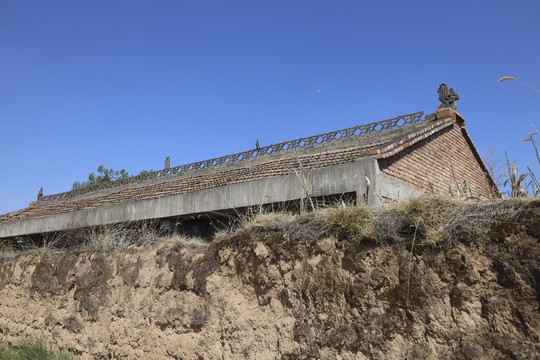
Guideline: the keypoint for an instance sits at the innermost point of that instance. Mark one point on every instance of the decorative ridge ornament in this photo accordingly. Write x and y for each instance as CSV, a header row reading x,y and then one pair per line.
x,y
447,98
352,132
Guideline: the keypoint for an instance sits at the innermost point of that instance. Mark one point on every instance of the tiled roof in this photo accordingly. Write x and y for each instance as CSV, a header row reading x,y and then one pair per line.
x,y
379,144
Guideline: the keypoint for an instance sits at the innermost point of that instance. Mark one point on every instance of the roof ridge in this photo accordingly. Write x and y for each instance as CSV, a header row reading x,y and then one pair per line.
x,y
191,182
355,131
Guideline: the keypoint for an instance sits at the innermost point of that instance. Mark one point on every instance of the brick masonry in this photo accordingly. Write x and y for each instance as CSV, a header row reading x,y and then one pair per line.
x,y
441,162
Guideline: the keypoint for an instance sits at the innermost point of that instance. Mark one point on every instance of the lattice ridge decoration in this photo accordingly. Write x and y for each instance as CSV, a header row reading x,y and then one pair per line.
x,y
351,132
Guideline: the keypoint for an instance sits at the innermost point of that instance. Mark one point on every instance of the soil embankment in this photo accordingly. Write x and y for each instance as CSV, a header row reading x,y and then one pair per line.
x,y
286,292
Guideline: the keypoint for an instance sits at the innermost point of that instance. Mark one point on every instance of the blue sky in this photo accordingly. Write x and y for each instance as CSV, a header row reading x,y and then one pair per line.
x,y
127,83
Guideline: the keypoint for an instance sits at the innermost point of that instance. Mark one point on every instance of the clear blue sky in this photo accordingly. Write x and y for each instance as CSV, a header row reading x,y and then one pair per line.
x,y
127,83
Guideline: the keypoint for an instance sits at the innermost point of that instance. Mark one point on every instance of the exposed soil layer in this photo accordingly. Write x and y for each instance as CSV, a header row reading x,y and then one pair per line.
x,y
285,293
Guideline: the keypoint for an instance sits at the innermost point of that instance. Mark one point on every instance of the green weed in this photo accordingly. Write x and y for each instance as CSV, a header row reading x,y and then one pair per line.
x,y
32,349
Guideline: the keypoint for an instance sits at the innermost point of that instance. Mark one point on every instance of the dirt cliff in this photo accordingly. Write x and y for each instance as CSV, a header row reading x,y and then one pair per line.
x,y
287,291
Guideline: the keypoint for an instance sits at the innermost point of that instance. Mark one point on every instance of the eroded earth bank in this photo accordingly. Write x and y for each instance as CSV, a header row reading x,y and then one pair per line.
x,y
288,290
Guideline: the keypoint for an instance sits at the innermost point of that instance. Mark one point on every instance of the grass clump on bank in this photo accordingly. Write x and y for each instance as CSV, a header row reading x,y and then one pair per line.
x,y
176,242
440,220
425,216
349,221
119,236
430,220
32,350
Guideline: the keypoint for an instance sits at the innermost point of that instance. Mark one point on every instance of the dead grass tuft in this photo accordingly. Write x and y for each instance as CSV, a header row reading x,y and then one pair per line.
x,y
7,252
177,242
426,210
440,220
429,220
477,219
349,221
108,237
222,234
436,234
369,232
426,216
266,220
120,236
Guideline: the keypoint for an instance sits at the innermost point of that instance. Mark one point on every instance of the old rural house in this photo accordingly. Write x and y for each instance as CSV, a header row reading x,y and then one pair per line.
x,y
379,162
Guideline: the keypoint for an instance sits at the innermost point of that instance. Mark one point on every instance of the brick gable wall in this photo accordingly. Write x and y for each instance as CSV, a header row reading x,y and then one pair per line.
x,y
440,162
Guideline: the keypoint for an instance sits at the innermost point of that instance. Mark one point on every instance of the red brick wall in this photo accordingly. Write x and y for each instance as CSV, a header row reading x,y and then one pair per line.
x,y
439,162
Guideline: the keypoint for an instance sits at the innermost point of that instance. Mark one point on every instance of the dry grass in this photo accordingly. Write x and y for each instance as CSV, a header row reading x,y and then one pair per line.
x,y
266,220
122,236
430,220
470,220
438,220
50,243
349,221
7,251
108,237
221,234
119,236
177,242
254,222
424,216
